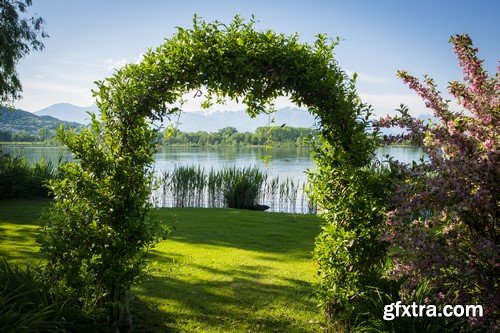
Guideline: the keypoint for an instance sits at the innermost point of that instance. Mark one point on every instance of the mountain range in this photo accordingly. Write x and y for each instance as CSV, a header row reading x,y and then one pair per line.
x,y
209,121
69,112
18,120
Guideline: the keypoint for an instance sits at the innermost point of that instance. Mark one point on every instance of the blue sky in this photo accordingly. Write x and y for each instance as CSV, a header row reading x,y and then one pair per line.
x,y
89,39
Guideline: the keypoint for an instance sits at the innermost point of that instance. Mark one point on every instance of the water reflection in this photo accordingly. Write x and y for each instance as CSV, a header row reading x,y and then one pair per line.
x,y
285,163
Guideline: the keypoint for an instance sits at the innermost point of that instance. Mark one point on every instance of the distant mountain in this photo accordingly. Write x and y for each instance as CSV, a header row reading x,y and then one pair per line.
x,y
69,112
19,120
209,121
215,120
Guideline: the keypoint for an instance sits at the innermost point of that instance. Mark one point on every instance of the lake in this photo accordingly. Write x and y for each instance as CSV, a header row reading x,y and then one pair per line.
x,y
285,162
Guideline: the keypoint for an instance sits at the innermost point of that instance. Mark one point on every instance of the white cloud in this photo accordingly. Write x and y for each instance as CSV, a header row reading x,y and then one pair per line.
x,y
367,78
139,58
114,64
53,87
387,103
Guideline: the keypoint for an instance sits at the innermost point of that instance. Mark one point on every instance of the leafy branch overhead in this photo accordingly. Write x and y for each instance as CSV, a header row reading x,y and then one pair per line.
x,y
18,36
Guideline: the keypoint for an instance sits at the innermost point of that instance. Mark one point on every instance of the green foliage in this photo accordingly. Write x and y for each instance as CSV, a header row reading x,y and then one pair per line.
x,y
18,36
227,131
276,135
350,254
20,180
98,225
372,305
22,303
286,134
26,305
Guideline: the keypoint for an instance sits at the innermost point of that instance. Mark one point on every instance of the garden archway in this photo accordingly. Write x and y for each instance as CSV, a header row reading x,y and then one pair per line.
x,y
100,213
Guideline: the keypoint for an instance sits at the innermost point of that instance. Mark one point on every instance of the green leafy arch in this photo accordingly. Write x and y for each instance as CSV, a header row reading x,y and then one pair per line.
x,y
238,62
99,224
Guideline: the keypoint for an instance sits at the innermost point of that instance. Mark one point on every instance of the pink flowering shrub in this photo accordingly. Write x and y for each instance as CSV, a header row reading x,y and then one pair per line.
x,y
443,222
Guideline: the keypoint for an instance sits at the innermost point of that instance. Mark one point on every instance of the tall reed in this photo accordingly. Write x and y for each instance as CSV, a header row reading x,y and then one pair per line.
x,y
246,188
242,187
188,184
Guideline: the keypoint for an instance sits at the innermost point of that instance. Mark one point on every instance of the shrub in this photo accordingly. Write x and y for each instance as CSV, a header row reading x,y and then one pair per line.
x,y
445,216
26,305
99,224
20,180
98,228
349,251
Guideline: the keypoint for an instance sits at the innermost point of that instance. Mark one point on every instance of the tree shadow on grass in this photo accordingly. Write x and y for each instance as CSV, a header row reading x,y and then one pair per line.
x,y
147,317
247,230
18,244
233,299
20,235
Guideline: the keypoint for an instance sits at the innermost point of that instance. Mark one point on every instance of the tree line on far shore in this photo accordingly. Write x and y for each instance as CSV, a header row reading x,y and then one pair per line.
x,y
229,136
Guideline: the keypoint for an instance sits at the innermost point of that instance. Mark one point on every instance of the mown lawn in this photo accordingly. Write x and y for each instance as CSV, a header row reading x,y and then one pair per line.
x,y
221,270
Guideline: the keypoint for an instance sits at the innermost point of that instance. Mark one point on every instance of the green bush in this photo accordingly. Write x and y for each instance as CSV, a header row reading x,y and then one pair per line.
x,y
20,180
26,305
99,227
350,255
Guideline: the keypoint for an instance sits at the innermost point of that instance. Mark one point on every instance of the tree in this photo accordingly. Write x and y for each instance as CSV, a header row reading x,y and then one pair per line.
x,y
226,132
446,212
18,36
43,133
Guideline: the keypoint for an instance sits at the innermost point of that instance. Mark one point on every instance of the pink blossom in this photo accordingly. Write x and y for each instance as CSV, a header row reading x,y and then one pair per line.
x,y
488,144
445,215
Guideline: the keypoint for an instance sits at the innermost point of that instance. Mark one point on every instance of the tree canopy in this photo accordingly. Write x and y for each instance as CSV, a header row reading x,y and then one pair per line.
x,y
18,36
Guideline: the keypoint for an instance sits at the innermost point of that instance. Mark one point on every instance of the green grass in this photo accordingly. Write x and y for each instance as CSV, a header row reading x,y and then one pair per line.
x,y
220,270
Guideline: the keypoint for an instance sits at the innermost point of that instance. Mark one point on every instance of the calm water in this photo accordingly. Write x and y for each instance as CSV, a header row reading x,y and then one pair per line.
x,y
285,162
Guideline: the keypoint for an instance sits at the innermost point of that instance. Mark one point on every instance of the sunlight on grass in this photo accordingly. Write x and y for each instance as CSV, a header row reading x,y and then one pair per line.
x,y
220,270
18,229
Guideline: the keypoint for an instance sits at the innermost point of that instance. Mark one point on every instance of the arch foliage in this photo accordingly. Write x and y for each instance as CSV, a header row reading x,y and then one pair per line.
x,y
98,226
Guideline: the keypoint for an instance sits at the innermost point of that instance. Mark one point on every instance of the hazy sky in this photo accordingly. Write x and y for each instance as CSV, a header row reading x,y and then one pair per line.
x,y
89,39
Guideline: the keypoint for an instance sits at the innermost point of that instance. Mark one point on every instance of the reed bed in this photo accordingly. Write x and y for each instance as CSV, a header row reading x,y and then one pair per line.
x,y
246,188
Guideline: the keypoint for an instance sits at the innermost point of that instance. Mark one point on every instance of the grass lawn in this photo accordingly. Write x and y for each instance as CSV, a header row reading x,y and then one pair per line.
x,y
221,270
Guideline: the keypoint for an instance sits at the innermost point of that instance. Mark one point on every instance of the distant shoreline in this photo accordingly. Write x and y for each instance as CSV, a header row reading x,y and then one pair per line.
x,y
275,145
